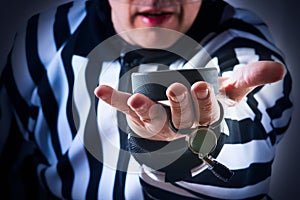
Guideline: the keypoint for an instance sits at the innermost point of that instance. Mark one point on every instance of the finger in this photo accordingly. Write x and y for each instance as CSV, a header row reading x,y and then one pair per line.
x,y
152,115
181,106
141,106
113,97
206,103
244,80
117,100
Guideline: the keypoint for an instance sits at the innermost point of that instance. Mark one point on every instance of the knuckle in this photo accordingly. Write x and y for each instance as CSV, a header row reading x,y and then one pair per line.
x,y
183,124
206,106
208,112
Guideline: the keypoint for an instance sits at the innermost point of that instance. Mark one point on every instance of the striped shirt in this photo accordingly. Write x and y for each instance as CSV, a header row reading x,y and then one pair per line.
x,y
71,144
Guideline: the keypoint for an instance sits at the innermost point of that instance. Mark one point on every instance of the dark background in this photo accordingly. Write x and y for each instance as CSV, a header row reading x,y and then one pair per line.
x,y
284,23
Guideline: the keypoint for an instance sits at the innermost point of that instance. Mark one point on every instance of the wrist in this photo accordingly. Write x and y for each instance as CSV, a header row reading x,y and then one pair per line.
x,y
173,158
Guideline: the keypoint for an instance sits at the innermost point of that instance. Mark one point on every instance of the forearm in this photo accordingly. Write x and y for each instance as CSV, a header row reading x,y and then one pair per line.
x,y
174,158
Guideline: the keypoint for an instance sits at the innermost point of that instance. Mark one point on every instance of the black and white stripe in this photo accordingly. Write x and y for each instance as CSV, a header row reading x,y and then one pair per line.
x,y
45,71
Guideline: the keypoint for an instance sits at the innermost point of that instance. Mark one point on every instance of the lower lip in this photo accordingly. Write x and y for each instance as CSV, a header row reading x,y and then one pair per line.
x,y
155,20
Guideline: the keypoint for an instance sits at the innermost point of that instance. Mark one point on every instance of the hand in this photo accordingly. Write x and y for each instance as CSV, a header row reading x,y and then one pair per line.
x,y
149,119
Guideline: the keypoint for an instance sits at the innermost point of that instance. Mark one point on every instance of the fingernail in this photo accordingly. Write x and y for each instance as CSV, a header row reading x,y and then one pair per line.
x,y
141,108
138,105
202,94
178,98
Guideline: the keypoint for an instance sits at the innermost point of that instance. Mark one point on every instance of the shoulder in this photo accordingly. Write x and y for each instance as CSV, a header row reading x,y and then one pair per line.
x,y
53,28
217,16
56,22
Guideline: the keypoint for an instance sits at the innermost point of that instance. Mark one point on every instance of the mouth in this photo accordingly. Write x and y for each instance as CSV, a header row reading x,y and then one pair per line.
x,y
152,18
154,14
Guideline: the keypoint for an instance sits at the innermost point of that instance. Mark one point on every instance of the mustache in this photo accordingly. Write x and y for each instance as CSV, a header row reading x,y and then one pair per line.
x,y
158,3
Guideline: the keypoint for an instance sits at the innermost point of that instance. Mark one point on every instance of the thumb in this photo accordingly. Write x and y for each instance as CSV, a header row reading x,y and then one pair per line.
x,y
245,79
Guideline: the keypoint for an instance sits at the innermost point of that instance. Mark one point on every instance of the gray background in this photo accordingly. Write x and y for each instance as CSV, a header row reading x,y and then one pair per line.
x,y
283,20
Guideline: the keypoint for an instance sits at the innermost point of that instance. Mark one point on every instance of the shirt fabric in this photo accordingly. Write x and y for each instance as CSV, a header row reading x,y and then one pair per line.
x,y
48,150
